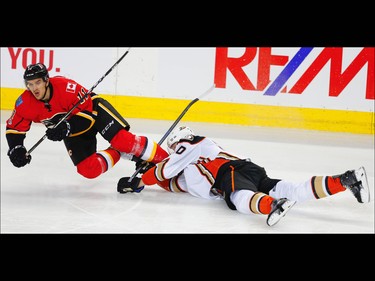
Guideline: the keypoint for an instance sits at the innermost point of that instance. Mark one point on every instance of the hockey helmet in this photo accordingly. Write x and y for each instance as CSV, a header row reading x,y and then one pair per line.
x,y
34,71
182,132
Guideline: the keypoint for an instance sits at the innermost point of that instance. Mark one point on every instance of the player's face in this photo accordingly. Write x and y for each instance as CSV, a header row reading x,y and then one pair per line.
x,y
38,87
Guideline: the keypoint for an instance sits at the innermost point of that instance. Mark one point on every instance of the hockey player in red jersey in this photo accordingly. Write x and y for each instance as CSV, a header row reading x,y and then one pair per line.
x,y
199,166
48,99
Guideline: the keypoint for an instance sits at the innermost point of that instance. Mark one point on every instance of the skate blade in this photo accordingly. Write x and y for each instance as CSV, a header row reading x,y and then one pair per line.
x,y
275,217
365,190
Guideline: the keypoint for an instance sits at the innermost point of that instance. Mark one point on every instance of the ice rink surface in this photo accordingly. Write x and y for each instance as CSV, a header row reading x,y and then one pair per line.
x,y
48,196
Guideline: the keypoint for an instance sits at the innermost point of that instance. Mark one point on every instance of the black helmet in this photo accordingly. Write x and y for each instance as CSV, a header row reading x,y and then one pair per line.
x,y
34,71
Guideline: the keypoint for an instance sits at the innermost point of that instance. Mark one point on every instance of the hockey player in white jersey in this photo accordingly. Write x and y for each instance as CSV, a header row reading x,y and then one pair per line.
x,y
199,166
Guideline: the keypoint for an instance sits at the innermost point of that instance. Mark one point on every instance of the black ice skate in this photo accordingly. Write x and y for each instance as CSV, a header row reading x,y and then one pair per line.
x,y
356,182
279,209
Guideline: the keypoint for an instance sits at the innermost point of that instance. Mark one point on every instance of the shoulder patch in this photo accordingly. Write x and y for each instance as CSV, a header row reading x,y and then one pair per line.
x,y
19,101
71,87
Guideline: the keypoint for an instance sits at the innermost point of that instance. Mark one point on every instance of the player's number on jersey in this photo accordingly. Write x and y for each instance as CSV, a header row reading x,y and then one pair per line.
x,y
81,96
181,149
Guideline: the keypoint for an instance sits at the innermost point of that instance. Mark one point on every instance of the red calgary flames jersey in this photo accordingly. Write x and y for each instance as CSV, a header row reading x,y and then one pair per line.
x,y
65,93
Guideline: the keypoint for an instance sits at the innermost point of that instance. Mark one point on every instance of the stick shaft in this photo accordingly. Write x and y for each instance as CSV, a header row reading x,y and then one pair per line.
x,y
174,125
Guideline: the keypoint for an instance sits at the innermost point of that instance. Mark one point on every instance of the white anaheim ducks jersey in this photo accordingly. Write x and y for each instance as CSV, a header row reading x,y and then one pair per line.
x,y
193,167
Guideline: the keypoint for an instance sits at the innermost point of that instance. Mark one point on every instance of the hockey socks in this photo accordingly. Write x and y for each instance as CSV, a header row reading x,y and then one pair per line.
x,y
98,163
139,146
325,186
260,203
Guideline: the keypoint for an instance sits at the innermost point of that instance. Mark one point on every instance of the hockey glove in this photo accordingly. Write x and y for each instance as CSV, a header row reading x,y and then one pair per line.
x,y
60,132
124,186
18,156
142,165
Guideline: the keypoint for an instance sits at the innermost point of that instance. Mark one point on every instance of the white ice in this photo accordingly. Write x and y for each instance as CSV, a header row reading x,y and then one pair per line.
x,y
48,196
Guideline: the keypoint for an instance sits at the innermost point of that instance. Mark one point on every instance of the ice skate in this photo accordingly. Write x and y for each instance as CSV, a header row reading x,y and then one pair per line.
x,y
356,182
279,209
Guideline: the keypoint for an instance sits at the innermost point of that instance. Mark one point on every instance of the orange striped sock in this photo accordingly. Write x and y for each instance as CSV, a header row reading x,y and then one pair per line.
x,y
334,185
260,203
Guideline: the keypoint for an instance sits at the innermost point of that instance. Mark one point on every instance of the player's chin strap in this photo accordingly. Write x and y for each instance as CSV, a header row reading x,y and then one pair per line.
x,y
144,165
79,102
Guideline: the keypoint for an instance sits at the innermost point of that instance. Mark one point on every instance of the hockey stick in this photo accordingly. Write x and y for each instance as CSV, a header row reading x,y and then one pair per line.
x,y
80,100
174,125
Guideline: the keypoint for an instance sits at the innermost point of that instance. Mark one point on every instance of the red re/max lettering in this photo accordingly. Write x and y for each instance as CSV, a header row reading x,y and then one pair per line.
x,y
338,79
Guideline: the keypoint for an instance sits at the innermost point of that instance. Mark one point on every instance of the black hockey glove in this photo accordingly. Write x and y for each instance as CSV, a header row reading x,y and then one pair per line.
x,y
143,165
18,156
124,186
60,132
